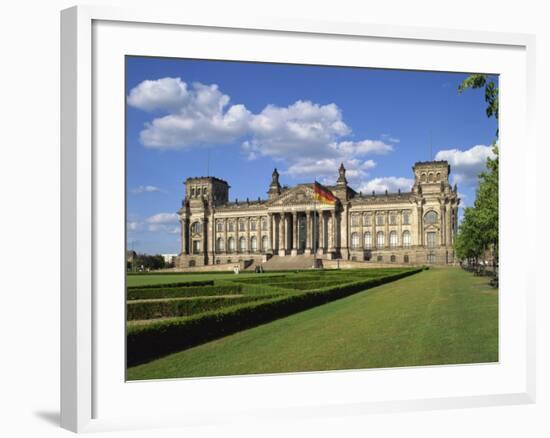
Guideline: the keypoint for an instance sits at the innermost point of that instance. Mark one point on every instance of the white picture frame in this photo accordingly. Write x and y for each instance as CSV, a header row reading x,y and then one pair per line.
x,y
88,358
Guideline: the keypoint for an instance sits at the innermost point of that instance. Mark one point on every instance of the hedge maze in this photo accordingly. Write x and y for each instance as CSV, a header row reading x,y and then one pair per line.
x,y
165,318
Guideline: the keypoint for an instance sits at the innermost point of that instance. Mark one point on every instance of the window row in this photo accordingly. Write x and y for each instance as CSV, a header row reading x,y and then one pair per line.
x,y
379,219
198,191
242,225
380,240
243,244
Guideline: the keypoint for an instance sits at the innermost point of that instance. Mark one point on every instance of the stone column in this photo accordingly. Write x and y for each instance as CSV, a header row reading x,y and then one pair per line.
x,y
443,238
308,233
183,236
204,227
248,235
225,244
281,234
374,240
387,229
334,231
236,237
270,245
321,232
448,232
420,231
294,224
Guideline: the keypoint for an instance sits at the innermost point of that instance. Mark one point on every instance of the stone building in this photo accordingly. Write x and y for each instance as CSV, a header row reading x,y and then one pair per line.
x,y
415,227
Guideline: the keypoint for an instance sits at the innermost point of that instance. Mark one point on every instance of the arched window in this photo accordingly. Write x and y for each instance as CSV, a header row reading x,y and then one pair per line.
x,y
220,244
431,177
367,240
264,243
231,244
393,239
423,178
406,238
438,176
253,244
196,227
192,192
242,244
430,217
380,239
354,240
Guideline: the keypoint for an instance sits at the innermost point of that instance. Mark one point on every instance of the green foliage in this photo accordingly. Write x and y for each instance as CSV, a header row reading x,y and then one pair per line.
x,y
491,91
179,292
478,231
179,284
146,342
139,310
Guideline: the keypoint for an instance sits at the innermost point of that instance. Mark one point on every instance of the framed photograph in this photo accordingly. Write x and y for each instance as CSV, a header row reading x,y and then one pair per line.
x,y
262,208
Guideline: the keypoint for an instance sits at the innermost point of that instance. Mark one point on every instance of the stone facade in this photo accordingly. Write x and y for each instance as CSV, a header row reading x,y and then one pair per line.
x,y
416,227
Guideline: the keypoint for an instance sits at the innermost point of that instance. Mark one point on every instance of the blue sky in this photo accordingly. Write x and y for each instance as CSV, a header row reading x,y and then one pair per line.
x,y
238,120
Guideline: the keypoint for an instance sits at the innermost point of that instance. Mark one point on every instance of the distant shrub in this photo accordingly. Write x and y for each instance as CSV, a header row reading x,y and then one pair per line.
x,y
179,292
183,306
179,284
147,342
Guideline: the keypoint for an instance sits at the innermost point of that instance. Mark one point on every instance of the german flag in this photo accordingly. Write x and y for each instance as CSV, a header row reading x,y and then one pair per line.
x,y
323,195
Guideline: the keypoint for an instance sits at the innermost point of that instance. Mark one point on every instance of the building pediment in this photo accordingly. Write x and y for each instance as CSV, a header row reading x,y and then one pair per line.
x,y
302,195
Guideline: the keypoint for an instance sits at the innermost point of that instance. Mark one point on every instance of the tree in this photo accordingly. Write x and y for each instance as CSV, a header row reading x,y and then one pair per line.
x,y
491,91
478,231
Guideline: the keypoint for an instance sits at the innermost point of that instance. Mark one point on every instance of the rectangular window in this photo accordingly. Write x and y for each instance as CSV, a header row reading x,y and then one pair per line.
x,y
196,246
406,219
366,220
430,239
231,227
393,219
354,220
253,226
431,258
379,220
241,226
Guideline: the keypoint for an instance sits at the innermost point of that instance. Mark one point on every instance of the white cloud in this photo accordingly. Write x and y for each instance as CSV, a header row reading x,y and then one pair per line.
x,y
391,139
164,222
166,94
134,225
199,115
468,164
390,183
326,170
145,189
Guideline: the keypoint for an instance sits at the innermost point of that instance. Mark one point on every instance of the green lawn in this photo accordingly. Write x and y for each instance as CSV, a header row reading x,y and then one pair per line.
x,y
439,316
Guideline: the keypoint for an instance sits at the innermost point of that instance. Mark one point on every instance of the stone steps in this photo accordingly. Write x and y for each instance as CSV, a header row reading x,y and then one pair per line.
x,y
278,263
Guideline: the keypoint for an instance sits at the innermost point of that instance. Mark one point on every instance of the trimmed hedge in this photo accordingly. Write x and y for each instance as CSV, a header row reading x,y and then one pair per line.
x,y
180,292
179,284
150,341
183,307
